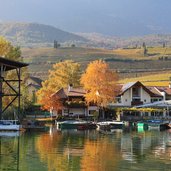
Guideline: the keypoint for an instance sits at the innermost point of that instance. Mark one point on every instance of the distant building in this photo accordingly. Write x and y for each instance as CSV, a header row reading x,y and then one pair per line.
x,y
33,84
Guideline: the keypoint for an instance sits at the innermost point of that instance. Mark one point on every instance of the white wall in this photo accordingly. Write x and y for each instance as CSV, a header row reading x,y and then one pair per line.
x,y
145,96
77,111
126,98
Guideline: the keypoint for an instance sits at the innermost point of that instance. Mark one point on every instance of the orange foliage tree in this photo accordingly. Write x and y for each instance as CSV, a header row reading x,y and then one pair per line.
x,y
100,83
62,74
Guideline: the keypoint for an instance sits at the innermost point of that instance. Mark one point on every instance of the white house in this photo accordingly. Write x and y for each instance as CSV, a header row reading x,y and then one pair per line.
x,y
135,94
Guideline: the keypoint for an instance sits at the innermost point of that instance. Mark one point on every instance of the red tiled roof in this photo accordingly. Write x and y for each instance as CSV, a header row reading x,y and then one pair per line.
x,y
165,89
154,91
74,92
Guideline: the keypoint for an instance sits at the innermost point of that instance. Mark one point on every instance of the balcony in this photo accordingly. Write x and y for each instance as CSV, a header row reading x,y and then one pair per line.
x,y
136,100
136,103
75,104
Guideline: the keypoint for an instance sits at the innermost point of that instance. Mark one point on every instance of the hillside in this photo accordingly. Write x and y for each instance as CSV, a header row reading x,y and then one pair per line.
x,y
128,62
33,34
40,35
111,42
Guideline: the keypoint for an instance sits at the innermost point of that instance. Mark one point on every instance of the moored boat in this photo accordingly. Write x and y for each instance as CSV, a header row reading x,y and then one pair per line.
x,y
153,124
74,124
10,125
111,124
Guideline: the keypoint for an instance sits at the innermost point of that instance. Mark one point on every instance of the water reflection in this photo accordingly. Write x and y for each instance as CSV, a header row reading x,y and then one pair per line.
x,y
86,150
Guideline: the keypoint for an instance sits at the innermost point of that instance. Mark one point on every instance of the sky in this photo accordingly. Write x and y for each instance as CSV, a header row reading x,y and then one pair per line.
x,y
89,15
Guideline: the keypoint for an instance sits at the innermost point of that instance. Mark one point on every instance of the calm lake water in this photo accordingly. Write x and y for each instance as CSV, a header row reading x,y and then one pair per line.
x,y
86,151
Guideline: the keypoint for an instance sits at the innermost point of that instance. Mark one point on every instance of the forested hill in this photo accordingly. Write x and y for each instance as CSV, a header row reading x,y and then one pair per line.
x,y
29,34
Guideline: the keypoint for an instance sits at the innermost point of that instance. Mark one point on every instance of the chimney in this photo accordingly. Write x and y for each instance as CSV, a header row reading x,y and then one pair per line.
x,y
170,85
170,82
70,87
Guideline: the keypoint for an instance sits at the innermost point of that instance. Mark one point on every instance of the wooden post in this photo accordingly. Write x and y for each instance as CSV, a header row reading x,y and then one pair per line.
x,y
1,93
19,90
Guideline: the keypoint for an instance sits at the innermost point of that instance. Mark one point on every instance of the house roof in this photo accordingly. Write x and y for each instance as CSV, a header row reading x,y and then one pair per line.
x,y
73,92
154,91
127,86
34,86
36,80
10,64
80,92
76,92
159,104
165,89
151,91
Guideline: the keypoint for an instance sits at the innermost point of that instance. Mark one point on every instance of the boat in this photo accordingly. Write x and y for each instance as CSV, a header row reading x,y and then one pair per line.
x,y
157,124
9,133
10,125
111,124
141,126
30,125
168,125
74,124
153,124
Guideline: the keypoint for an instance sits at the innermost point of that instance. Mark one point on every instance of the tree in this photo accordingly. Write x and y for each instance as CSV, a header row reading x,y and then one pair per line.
x,y
7,50
145,50
56,44
100,83
143,45
5,47
164,44
63,74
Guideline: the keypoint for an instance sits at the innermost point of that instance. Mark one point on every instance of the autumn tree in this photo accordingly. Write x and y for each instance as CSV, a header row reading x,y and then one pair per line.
x,y
7,50
63,74
5,47
100,82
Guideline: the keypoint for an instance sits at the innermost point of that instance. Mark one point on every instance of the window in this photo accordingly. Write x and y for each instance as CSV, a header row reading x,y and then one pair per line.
x,y
65,110
155,100
92,112
136,92
118,99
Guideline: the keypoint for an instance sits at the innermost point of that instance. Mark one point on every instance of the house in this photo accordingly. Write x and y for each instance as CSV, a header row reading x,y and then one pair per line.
x,y
130,95
74,102
135,94
33,85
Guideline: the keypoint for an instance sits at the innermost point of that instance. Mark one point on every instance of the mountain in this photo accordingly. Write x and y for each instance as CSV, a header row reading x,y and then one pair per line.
x,y
27,34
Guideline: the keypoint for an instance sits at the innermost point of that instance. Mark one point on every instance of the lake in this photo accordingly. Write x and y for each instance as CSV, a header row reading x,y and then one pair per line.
x,y
72,150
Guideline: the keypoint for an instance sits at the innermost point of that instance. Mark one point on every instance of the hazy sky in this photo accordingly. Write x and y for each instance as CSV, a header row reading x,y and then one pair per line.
x,y
71,14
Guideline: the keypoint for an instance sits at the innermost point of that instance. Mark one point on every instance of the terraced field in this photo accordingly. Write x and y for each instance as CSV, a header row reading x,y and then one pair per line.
x,y
130,63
